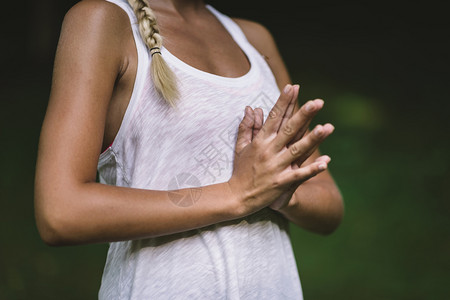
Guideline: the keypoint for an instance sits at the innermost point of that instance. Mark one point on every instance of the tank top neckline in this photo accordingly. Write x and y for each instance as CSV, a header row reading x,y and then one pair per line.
x,y
233,81
144,59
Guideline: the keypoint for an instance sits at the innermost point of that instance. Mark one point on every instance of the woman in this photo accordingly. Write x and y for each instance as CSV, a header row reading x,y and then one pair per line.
x,y
194,199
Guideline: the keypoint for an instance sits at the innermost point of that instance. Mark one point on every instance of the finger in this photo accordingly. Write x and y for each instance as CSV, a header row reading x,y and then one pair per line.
x,y
291,108
259,119
276,114
302,174
318,105
302,149
327,130
324,158
297,125
244,136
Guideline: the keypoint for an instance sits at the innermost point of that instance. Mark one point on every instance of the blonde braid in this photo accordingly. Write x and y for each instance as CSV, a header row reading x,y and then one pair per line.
x,y
163,77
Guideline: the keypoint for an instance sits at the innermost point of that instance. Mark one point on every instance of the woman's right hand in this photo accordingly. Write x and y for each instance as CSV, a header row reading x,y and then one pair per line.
x,y
266,165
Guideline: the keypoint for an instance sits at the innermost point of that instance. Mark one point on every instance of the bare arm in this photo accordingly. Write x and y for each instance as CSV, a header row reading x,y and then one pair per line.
x,y
317,204
71,208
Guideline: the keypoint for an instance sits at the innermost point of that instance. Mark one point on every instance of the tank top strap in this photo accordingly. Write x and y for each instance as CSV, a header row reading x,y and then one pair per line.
x,y
235,31
127,8
142,75
123,4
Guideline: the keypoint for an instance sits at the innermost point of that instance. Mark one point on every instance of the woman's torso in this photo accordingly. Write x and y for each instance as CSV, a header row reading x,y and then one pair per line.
x,y
202,43
161,148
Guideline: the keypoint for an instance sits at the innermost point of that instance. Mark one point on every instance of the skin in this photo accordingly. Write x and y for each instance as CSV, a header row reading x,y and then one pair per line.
x,y
94,73
317,205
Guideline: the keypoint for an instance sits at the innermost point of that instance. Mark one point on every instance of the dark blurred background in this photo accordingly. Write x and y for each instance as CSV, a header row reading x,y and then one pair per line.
x,y
382,68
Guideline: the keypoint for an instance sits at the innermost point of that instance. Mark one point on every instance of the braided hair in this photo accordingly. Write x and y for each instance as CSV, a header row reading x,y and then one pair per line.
x,y
163,77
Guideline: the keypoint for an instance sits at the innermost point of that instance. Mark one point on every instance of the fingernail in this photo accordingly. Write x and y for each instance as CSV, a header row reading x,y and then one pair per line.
x,y
287,88
322,167
318,131
247,109
310,107
329,126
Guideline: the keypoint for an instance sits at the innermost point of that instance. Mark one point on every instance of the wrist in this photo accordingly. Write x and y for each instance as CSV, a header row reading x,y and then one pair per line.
x,y
236,200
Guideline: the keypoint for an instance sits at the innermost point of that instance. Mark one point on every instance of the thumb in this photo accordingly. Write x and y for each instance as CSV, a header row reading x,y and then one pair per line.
x,y
244,136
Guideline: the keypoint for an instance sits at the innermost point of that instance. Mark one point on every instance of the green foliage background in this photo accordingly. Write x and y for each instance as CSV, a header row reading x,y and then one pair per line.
x,y
382,69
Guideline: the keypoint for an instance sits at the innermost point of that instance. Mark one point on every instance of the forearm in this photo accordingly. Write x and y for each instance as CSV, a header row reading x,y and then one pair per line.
x,y
316,205
93,212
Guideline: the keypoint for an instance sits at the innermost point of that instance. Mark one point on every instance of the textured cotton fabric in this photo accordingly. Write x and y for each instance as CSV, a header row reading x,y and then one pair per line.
x,y
162,148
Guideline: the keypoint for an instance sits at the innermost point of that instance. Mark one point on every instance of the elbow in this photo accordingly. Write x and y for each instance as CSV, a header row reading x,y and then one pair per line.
x,y
57,207
330,227
53,222
52,230
334,220
57,212
49,237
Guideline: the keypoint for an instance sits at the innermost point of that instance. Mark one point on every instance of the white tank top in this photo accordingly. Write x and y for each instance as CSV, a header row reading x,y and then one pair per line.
x,y
161,148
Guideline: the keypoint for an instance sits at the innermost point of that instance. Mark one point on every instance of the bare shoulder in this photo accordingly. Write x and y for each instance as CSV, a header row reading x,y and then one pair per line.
x,y
261,38
95,8
98,15
93,29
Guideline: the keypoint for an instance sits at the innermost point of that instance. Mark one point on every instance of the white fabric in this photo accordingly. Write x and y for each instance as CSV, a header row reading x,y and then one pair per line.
x,y
161,148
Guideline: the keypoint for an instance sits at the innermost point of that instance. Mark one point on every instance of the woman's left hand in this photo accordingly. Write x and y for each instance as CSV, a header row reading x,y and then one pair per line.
x,y
284,199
